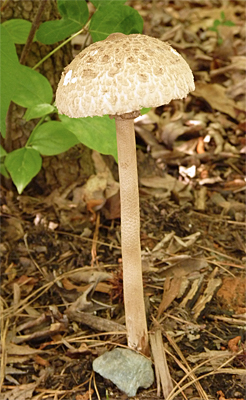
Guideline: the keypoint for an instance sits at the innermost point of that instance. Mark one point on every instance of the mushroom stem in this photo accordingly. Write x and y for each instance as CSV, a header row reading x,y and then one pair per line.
x,y
136,324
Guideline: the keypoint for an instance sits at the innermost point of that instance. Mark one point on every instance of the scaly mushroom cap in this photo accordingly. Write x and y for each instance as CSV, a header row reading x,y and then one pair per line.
x,y
121,74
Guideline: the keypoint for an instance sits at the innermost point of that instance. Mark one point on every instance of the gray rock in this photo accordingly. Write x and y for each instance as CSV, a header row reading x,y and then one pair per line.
x,y
126,369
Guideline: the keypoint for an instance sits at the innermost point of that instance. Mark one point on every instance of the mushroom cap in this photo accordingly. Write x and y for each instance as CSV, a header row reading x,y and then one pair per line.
x,y
122,74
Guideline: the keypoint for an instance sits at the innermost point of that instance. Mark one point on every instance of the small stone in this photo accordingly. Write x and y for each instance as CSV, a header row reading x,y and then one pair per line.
x,y
126,369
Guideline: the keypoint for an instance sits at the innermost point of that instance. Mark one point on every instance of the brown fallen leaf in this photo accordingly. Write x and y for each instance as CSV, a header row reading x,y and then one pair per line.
x,y
101,286
215,95
170,292
16,350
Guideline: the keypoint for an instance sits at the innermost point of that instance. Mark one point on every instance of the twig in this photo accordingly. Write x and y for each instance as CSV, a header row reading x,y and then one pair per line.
x,y
32,32
94,322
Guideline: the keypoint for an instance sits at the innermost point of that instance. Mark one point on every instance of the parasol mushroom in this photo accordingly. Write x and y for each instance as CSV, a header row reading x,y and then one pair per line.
x,y
119,76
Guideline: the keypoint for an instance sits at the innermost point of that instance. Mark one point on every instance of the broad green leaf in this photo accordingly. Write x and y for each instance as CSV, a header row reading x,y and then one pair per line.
x,y
9,65
97,133
23,164
3,170
38,111
76,10
31,87
74,14
3,152
103,3
19,83
18,29
54,31
52,138
115,18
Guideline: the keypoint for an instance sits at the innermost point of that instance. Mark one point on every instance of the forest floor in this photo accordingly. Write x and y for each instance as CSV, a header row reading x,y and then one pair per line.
x,y
59,253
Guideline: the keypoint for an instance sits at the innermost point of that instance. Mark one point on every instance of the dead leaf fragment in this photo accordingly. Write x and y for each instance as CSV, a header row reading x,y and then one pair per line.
x,y
206,297
233,344
215,95
161,367
170,292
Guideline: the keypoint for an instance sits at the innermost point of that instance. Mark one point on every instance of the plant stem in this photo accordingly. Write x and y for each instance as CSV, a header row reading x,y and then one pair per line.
x,y
61,45
130,237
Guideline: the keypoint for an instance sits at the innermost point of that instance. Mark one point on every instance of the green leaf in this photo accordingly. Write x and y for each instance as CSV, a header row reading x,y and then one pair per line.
x,y
38,111
52,138
115,18
222,15
75,14
3,152
220,40
18,29
217,22
54,31
3,170
19,83
23,164
103,3
228,23
31,88
97,133
9,65
212,28
145,110
76,10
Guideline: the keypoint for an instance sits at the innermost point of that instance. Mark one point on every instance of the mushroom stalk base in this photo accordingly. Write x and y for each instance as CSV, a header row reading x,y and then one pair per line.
x,y
136,324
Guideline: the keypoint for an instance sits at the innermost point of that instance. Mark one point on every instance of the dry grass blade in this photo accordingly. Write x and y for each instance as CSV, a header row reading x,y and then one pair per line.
x,y
4,330
161,367
233,321
195,380
187,369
